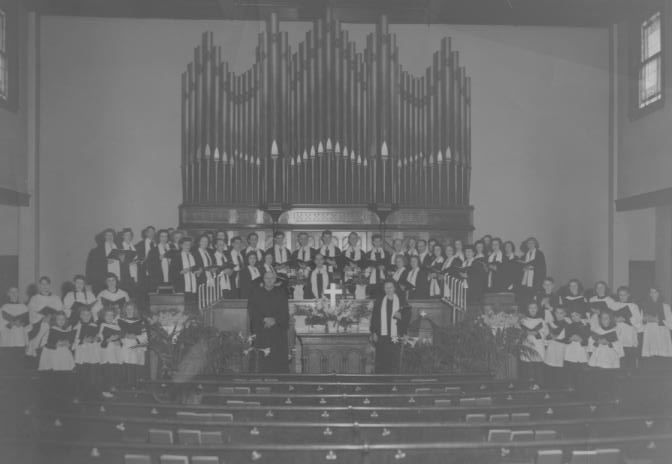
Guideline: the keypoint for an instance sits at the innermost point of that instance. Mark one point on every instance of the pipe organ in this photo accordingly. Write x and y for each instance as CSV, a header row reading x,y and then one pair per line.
x,y
325,127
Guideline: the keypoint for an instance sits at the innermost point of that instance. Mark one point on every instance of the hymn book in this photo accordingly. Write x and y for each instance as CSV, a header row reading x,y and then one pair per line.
x,y
57,336
12,321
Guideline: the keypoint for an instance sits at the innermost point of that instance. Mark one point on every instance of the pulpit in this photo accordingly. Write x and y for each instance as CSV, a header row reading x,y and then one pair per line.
x,y
337,353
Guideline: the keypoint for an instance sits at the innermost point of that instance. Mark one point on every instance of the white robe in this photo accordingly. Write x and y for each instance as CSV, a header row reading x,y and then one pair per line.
x,y
39,301
14,337
113,265
73,297
657,339
605,356
531,341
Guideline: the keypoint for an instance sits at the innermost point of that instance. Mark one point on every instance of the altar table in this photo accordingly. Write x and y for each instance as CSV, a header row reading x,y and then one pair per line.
x,y
334,353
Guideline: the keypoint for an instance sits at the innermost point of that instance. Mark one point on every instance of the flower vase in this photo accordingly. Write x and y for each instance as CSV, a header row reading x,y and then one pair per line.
x,y
331,327
300,323
360,292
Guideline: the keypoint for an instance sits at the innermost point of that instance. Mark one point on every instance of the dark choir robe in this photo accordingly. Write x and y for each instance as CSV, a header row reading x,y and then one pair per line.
x,y
97,267
399,276
238,260
318,281
183,283
391,261
451,266
426,259
553,299
249,278
533,279
204,260
476,275
281,255
304,255
258,251
496,281
273,303
144,248
511,273
382,321
378,256
227,282
353,255
157,264
417,281
331,254
130,270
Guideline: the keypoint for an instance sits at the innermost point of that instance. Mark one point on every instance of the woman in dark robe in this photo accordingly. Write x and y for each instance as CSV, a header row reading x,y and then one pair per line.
x,y
417,280
511,271
534,268
389,322
475,272
250,275
98,265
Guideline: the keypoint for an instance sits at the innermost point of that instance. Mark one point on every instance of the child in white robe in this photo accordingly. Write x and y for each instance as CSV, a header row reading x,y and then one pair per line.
x,y
87,353
605,348
534,326
111,297
554,358
109,335
44,298
599,302
657,316
628,318
577,334
133,341
14,322
56,352
80,294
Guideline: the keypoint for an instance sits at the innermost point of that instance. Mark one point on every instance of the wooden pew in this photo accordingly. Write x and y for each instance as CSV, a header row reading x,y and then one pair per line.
x,y
253,411
104,452
54,425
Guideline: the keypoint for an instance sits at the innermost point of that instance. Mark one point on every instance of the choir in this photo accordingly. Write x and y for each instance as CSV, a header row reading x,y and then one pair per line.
x,y
97,328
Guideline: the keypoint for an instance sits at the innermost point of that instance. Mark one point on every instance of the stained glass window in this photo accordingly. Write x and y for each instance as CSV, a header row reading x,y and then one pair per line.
x,y
651,62
4,71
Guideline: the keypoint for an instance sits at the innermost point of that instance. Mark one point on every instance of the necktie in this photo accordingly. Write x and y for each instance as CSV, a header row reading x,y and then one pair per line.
x,y
319,284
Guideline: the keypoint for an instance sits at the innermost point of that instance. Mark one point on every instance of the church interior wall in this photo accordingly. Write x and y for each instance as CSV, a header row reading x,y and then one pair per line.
x,y
110,116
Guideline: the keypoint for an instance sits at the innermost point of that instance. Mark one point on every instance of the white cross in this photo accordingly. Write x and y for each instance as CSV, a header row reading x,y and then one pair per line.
x,y
332,292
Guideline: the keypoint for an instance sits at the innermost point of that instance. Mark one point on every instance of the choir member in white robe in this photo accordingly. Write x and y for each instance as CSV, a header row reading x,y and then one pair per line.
x,y
329,251
534,268
599,302
657,325
268,311
548,294
435,267
495,261
99,263
14,324
144,247
109,334
158,262
237,257
604,347
424,254
417,280
304,253
86,349
554,358
227,282
319,279
389,323
80,294
44,298
133,344
204,261
573,299
577,334
628,318
56,354
250,276
253,246
112,297
535,332
183,270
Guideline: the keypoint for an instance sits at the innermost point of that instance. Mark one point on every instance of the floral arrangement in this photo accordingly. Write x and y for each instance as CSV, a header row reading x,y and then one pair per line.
x,y
345,313
354,275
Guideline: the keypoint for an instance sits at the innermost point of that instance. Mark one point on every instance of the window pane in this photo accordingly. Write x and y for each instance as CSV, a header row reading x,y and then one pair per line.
x,y
2,31
651,37
3,77
649,82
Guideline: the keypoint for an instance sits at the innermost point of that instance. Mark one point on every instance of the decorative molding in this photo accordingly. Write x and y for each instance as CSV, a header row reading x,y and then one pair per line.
x,y
212,215
331,216
13,198
433,218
